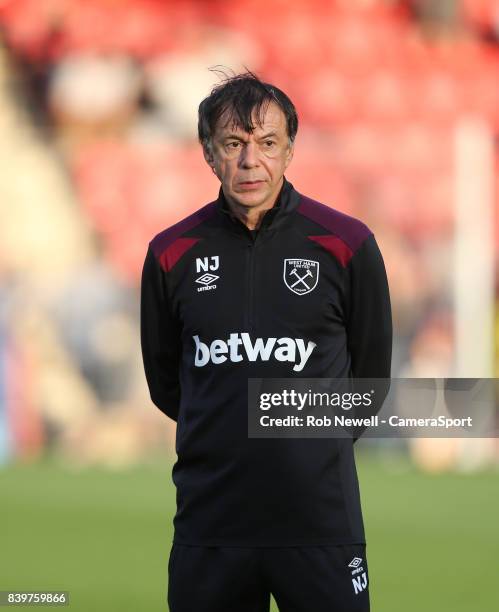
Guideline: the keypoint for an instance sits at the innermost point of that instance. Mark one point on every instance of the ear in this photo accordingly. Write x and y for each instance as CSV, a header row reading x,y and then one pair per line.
x,y
210,159
289,154
208,155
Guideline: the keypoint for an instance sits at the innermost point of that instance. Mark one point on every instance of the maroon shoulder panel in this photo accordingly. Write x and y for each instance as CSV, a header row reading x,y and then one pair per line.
x,y
349,230
339,249
170,244
174,252
165,238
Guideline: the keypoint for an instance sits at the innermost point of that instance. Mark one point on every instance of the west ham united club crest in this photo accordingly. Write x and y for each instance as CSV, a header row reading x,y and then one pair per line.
x,y
301,275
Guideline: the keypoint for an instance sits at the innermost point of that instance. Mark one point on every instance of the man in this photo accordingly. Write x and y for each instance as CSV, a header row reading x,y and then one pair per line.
x,y
219,302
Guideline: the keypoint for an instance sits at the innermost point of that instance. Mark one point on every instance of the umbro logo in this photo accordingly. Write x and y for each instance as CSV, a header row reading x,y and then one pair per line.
x,y
206,280
359,580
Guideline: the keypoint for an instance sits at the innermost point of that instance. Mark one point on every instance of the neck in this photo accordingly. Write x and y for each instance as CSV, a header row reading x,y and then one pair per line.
x,y
252,216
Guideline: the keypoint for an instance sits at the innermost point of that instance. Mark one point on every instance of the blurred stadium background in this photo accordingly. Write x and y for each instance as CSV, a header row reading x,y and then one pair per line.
x,y
399,108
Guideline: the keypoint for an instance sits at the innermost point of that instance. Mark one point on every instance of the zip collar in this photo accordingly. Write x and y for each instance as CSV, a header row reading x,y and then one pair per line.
x,y
286,203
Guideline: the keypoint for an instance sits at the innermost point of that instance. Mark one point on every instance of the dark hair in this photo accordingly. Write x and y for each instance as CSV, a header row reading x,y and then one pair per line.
x,y
240,96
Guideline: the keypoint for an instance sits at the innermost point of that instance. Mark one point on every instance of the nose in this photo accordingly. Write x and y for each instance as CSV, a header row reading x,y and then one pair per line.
x,y
249,155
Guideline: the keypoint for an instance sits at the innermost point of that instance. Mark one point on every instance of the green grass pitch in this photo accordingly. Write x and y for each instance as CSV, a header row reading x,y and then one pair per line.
x,y
105,536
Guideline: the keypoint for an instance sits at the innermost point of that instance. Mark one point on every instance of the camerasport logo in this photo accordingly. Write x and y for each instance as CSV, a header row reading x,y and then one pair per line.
x,y
206,265
359,576
301,275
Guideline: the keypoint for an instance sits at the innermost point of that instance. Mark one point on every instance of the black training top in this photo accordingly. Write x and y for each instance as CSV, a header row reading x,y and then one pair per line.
x,y
307,296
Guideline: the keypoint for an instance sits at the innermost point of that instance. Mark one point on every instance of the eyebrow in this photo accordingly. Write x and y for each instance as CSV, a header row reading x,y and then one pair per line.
x,y
267,135
238,137
232,137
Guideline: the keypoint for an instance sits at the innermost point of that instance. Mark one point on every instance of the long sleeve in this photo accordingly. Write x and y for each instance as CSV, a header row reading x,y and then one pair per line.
x,y
159,339
369,327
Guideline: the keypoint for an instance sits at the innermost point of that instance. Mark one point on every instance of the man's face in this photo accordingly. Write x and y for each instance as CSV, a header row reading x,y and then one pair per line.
x,y
251,166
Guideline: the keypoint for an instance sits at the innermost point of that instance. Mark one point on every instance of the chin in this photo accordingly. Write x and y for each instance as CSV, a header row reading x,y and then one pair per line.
x,y
250,200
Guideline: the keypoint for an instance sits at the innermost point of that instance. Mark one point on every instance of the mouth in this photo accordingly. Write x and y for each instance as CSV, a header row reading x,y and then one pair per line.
x,y
250,184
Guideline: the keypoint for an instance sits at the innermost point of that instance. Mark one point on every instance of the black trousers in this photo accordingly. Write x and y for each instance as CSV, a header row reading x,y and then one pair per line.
x,y
237,579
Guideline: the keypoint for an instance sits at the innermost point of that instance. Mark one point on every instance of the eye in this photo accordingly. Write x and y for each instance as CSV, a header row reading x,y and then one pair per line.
x,y
233,145
269,143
